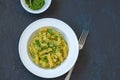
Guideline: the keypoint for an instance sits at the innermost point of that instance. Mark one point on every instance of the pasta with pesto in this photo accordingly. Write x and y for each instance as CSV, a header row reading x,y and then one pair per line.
x,y
48,48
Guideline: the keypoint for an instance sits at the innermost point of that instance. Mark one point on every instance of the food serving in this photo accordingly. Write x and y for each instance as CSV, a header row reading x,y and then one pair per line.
x,y
65,33
35,4
48,48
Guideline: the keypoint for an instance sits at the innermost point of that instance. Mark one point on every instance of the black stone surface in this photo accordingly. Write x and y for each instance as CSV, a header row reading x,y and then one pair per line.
x,y
100,58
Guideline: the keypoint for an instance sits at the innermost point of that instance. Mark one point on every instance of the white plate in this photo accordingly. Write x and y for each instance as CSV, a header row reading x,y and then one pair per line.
x,y
70,37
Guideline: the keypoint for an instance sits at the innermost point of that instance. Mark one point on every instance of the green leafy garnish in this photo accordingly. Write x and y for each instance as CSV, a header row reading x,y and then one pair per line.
x,y
35,4
37,43
44,59
49,31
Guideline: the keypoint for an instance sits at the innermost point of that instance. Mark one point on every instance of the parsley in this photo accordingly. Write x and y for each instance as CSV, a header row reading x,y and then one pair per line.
x,y
37,43
49,31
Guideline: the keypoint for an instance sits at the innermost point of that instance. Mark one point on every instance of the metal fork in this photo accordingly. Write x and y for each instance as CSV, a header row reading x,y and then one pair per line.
x,y
82,40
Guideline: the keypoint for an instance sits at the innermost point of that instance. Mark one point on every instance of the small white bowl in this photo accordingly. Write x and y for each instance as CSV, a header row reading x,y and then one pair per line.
x,y
69,36
44,8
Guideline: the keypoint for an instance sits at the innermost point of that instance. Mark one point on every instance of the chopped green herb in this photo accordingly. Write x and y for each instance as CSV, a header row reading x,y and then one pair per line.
x,y
44,59
49,31
37,43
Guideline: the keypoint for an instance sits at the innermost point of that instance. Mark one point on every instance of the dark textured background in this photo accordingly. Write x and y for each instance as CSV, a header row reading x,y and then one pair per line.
x,y
100,58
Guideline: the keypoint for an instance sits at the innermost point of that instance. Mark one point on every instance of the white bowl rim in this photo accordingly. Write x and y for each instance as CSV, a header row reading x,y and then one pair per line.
x,y
44,8
65,66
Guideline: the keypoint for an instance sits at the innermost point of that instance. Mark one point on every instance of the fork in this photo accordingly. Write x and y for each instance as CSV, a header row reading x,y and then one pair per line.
x,y
82,40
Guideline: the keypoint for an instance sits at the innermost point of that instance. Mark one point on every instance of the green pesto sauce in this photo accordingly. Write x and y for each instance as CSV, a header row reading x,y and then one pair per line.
x,y
35,4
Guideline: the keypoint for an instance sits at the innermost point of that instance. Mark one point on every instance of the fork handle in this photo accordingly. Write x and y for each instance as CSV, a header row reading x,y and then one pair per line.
x,y
69,74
